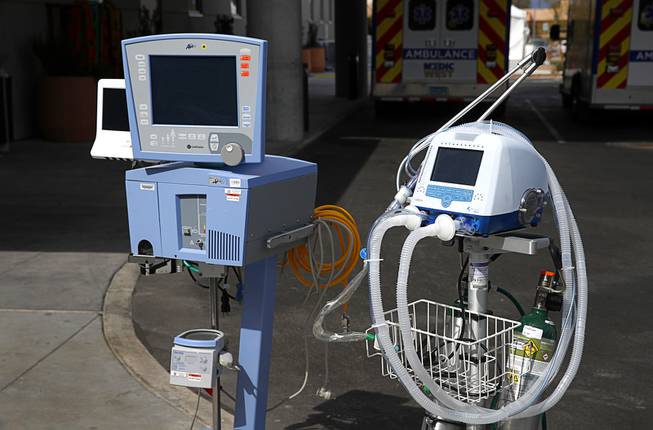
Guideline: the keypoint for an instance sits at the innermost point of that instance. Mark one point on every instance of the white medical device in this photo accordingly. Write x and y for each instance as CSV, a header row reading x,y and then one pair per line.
x,y
477,184
194,358
487,175
477,179
112,138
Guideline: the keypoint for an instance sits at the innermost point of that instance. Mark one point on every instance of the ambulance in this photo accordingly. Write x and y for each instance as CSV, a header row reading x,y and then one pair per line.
x,y
438,50
609,60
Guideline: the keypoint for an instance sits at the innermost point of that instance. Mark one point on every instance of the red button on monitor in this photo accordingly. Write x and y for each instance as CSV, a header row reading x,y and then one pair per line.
x,y
245,57
244,73
244,65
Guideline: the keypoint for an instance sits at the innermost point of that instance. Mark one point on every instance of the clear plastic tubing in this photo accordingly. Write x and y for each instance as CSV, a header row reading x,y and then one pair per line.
x,y
410,352
322,333
576,294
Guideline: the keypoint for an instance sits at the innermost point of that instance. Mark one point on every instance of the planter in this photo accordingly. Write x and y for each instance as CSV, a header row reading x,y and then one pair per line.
x,y
318,59
66,110
306,58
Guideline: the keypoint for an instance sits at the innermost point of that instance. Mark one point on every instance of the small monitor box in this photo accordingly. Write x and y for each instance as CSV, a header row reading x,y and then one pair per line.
x,y
196,97
112,138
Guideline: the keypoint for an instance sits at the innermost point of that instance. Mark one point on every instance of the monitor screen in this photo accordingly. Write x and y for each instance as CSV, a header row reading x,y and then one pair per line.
x,y
114,110
194,90
457,166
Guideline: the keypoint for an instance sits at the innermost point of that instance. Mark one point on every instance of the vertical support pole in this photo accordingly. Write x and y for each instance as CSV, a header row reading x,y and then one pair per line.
x,y
478,288
215,324
216,412
255,344
213,298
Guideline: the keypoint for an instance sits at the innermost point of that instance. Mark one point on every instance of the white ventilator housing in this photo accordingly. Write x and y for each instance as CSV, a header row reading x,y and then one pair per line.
x,y
508,177
487,172
439,402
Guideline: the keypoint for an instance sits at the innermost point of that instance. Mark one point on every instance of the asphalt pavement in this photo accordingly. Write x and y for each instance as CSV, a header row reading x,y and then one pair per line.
x,y
605,167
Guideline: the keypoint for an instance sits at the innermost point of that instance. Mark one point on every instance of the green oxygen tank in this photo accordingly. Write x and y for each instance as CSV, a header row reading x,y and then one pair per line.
x,y
531,350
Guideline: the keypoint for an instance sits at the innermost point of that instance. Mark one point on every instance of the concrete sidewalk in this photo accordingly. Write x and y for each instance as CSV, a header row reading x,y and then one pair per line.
x,y
64,235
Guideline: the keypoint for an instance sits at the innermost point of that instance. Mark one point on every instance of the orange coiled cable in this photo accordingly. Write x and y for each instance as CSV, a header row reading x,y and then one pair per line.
x,y
348,245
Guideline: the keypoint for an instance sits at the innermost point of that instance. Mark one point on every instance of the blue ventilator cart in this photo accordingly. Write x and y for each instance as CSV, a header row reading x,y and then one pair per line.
x,y
215,201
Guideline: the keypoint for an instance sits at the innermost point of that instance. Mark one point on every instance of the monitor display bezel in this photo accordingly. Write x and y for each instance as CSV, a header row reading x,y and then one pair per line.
x,y
190,44
236,106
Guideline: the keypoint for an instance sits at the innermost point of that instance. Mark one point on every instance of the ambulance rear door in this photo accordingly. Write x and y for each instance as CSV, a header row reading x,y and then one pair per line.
x,y
440,41
623,62
640,67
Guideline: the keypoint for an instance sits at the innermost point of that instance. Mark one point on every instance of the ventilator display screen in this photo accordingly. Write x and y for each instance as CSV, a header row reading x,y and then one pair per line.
x,y
194,90
457,166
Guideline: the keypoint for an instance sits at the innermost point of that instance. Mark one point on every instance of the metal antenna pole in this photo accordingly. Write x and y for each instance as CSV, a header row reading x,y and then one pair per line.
x,y
507,92
537,57
215,324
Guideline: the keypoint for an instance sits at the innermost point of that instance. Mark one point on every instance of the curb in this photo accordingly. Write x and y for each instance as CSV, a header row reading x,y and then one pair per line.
x,y
119,333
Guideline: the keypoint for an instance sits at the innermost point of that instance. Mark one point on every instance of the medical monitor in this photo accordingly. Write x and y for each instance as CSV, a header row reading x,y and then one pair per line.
x,y
192,95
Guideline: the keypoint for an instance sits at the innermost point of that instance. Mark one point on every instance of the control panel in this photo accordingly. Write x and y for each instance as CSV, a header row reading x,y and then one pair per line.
x,y
192,209
196,97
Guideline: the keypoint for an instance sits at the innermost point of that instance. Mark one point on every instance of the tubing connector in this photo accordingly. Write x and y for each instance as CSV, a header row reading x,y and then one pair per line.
x,y
402,195
465,225
446,227
413,222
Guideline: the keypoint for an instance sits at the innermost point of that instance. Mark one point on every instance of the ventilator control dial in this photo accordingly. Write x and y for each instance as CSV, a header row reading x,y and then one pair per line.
x,y
532,204
232,154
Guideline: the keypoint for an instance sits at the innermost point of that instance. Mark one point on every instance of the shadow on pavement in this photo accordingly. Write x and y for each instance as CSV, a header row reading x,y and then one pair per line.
x,y
338,163
56,198
360,410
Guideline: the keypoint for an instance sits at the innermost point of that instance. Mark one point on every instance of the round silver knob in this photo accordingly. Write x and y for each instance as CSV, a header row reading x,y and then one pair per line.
x,y
232,154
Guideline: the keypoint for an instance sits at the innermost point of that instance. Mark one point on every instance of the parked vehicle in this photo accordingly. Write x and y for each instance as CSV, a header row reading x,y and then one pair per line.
x,y
439,50
609,59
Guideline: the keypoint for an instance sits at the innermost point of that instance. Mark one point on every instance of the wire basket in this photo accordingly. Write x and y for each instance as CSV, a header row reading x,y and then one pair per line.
x,y
466,354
